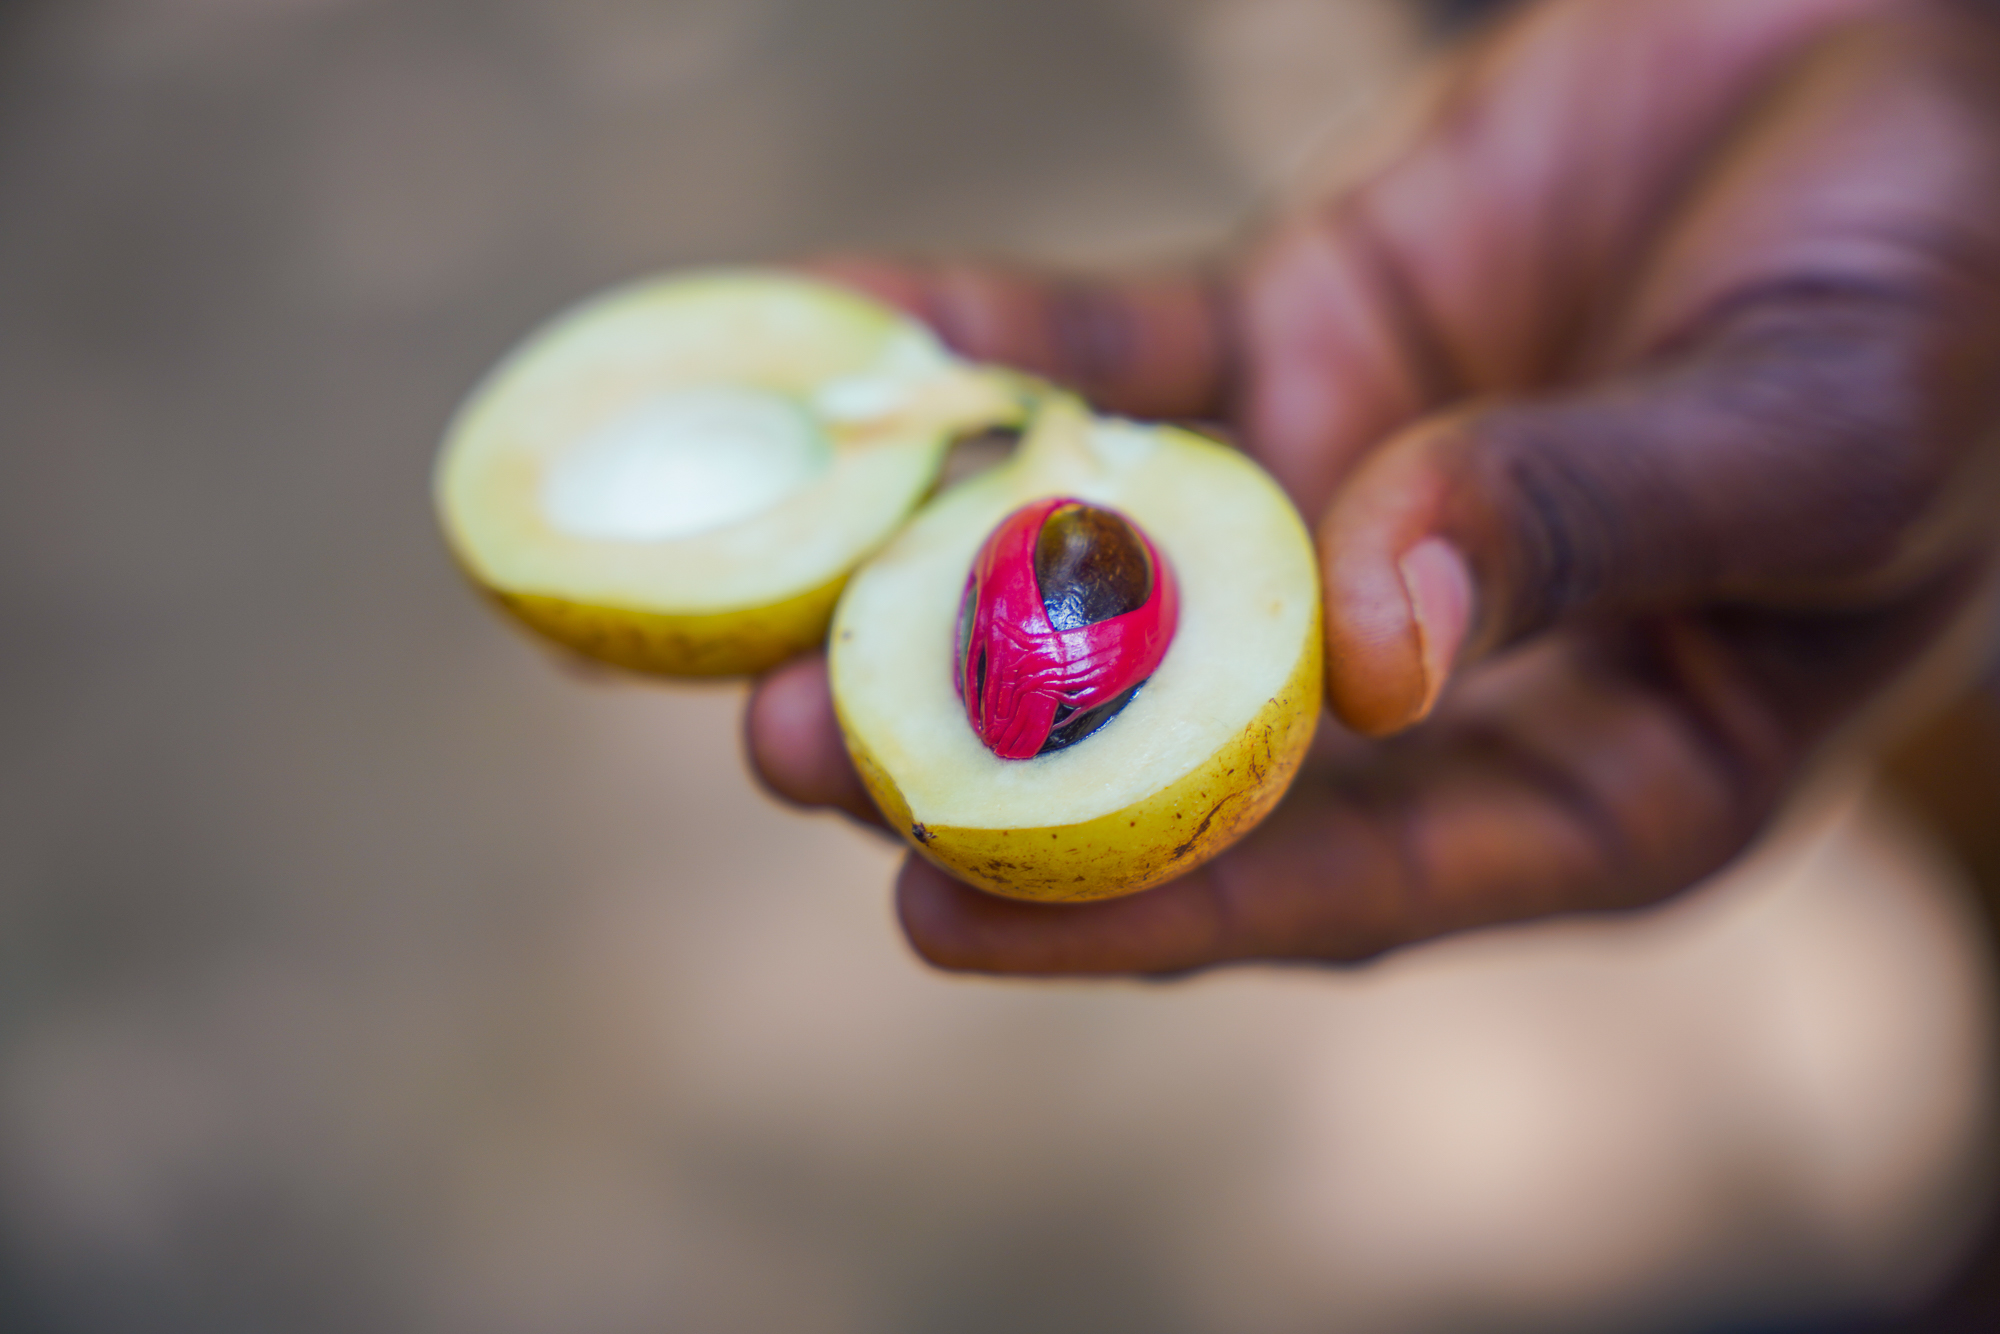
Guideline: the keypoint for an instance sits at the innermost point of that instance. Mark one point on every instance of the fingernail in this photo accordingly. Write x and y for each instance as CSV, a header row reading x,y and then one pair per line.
x,y
1439,584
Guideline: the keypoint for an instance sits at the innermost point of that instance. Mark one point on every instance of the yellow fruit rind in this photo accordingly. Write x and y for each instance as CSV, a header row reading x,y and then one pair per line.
x,y
1149,842
730,643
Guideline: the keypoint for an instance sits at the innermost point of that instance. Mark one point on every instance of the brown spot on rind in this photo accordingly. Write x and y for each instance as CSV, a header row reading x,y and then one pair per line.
x,y
1200,829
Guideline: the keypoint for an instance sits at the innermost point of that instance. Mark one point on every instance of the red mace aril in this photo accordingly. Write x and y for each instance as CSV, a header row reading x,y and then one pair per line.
x,y
1067,611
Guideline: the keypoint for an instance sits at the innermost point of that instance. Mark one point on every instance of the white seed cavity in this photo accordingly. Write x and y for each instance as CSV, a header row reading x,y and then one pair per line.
x,y
684,462
888,386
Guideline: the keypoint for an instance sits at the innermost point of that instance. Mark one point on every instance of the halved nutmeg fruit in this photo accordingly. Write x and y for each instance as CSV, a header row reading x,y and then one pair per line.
x,y
679,476
1157,584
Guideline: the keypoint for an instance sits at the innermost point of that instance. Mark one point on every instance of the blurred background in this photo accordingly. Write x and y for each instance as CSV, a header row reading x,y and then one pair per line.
x,y
359,970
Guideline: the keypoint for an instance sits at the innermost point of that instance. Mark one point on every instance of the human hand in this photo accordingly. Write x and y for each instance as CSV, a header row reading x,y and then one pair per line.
x,y
1646,390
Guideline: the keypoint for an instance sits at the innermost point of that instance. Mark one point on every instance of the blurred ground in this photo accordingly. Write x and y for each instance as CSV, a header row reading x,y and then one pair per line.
x,y
360,972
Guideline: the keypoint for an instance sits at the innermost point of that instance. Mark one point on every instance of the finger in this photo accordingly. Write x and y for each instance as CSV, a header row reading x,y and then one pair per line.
x,y
1799,456
793,741
955,926
1152,345
1569,783
1323,878
1799,385
1474,253
1336,360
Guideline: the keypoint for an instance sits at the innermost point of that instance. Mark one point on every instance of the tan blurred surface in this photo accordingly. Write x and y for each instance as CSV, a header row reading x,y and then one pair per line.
x,y
361,971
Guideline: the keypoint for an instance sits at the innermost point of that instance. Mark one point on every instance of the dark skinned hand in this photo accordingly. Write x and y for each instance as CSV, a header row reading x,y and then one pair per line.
x,y
1644,391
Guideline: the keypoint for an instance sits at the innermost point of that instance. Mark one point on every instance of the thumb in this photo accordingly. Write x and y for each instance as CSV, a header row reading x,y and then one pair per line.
x,y
1795,454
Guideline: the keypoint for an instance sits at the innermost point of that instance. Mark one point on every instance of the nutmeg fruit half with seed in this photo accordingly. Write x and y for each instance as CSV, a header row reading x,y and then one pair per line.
x,y
1157,585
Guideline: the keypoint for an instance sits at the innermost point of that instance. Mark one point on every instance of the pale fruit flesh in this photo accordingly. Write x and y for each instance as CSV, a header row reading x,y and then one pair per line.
x,y
1201,753
679,476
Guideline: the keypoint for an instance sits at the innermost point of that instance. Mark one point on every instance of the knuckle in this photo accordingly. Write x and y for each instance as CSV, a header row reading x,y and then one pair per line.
x,y
1566,514
1838,396
1807,440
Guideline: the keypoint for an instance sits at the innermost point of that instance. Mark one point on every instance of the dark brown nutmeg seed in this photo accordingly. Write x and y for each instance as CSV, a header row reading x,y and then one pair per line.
x,y
1073,725
1090,566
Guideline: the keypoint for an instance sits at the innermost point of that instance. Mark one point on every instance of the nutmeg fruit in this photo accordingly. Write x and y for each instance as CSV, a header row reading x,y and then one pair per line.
x,y
1077,675
1188,763
677,477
